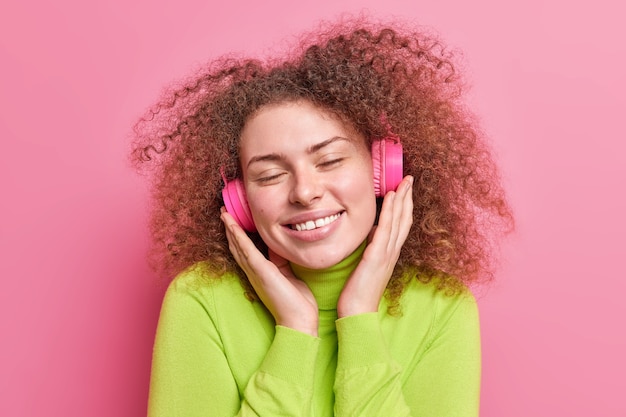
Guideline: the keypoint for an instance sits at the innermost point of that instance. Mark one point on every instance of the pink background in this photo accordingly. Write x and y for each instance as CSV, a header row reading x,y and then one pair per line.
x,y
79,306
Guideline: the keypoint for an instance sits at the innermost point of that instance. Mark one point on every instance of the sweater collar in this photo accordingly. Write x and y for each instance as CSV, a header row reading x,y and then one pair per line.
x,y
326,284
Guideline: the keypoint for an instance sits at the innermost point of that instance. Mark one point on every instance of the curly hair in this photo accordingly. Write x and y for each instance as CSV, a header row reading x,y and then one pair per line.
x,y
359,71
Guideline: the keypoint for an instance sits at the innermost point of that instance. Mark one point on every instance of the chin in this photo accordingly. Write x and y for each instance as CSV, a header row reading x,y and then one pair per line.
x,y
314,259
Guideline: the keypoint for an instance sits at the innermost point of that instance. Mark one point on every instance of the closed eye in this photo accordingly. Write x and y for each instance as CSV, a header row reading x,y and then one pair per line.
x,y
268,179
330,163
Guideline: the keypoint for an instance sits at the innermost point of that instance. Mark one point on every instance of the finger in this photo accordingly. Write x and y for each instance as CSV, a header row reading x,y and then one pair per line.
x,y
405,203
403,212
385,212
230,234
241,247
396,217
245,251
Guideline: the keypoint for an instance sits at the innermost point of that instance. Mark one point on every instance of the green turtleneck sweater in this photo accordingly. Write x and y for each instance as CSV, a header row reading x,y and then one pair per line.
x,y
218,354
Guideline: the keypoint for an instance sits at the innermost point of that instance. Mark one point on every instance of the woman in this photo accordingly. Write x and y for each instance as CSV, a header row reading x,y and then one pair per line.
x,y
312,279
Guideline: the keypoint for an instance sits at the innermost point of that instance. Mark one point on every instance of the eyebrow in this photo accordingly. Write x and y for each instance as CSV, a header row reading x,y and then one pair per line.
x,y
310,150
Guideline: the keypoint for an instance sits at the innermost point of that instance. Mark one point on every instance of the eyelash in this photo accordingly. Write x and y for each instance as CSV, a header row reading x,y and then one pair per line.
x,y
331,162
324,164
269,178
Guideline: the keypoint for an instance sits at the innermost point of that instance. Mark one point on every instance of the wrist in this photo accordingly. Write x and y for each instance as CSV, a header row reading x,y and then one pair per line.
x,y
308,326
353,307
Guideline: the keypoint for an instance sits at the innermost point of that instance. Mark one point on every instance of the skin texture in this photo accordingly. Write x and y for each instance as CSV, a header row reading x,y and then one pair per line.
x,y
380,80
269,123
300,163
313,166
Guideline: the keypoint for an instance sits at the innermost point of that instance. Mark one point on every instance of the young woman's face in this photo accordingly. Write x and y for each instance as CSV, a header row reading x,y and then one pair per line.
x,y
308,180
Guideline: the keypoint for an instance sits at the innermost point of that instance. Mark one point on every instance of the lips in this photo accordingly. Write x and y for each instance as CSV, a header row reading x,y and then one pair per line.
x,y
316,223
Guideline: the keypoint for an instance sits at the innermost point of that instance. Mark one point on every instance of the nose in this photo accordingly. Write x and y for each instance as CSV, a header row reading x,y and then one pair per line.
x,y
307,187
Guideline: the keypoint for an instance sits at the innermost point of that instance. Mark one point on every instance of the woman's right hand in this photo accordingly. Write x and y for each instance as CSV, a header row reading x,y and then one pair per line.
x,y
289,299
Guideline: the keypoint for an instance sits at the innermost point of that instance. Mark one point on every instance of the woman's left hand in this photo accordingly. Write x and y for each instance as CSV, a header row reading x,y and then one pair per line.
x,y
365,287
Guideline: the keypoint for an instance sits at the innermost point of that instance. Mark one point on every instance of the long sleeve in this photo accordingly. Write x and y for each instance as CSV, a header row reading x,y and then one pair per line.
x,y
205,364
389,367
218,354
367,382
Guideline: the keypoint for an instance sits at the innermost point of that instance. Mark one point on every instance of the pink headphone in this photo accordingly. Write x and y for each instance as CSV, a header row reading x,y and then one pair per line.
x,y
386,159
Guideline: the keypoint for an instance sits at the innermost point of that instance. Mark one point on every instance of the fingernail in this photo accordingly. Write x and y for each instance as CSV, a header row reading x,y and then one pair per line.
x,y
410,182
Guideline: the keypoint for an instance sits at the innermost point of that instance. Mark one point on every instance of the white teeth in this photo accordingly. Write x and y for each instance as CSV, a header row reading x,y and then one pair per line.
x,y
313,224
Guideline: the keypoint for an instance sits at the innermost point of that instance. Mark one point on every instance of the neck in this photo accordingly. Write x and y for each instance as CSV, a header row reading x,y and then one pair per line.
x,y
326,284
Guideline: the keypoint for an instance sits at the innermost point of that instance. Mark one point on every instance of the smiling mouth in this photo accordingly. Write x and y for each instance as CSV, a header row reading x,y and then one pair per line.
x,y
314,224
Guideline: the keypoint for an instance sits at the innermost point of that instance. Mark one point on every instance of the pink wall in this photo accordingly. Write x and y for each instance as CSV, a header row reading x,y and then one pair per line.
x,y
79,307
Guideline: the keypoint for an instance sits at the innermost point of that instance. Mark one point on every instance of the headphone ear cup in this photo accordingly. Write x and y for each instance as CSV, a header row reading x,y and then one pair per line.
x,y
236,203
386,161
387,164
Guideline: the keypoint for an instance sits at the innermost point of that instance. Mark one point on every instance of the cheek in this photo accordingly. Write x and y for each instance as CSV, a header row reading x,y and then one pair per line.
x,y
358,194
362,191
264,204
361,184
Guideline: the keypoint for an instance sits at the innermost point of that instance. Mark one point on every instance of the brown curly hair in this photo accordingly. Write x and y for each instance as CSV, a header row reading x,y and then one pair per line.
x,y
359,71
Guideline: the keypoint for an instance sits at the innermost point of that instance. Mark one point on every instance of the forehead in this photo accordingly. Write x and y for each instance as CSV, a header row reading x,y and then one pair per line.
x,y
290,127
